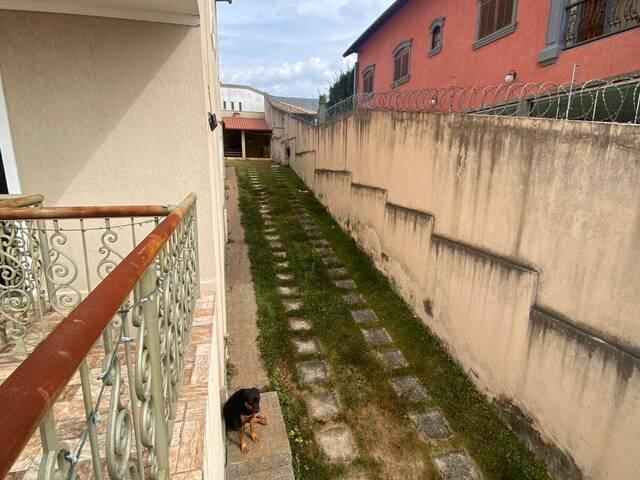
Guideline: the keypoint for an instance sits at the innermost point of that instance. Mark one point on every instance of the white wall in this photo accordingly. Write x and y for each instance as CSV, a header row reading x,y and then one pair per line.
x,y
251,100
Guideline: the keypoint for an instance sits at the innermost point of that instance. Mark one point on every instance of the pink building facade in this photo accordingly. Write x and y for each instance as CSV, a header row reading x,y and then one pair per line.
x,y
418,44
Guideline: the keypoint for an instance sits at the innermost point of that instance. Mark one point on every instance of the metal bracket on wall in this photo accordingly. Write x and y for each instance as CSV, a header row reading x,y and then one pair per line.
x,y
213,121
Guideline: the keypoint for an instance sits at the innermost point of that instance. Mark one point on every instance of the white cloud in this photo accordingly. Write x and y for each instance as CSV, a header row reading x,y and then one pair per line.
x,y
290,47
308,74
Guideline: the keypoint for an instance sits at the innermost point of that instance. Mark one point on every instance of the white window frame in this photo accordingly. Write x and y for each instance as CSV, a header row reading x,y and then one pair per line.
x,y
6,145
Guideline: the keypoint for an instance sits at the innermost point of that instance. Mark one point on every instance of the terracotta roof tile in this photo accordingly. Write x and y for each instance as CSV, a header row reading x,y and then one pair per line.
x,y
242,123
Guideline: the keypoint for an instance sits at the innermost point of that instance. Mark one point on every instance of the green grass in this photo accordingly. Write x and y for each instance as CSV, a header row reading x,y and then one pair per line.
x,y
388,444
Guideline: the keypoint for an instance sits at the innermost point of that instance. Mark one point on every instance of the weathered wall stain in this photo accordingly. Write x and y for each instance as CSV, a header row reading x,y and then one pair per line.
x,y
511,239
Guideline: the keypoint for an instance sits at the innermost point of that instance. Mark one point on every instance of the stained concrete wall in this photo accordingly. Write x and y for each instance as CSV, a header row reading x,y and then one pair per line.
x,y
512,239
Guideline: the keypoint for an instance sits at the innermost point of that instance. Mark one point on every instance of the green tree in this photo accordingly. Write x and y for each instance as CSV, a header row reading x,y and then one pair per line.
x,y
341,88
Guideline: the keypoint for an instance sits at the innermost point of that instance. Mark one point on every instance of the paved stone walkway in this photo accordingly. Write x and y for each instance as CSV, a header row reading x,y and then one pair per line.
x,y
269,459
332,436
241,301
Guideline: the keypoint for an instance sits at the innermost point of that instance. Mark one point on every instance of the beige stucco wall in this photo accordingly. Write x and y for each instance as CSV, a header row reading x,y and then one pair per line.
x,y
512,240
107,111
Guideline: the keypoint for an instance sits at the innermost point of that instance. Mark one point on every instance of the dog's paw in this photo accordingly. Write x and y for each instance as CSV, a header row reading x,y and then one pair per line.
x,y
254,437
261,419
244,448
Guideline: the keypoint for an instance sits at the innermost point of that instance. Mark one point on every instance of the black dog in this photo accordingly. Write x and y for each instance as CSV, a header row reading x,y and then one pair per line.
x,y
242,409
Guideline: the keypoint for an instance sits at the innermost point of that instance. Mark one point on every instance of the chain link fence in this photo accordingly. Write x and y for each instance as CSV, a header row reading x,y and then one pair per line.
x,y
615,100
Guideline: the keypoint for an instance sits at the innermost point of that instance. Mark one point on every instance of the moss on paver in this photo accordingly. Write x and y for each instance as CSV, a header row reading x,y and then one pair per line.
x,y
389,446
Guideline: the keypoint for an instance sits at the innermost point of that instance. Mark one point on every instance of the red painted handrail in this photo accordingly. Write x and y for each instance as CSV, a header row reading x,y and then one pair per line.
x,y
32,389
53,213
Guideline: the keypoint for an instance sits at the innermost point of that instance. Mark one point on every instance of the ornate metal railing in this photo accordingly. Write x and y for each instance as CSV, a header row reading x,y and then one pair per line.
x,y
616,100
50,259
142,312
589,20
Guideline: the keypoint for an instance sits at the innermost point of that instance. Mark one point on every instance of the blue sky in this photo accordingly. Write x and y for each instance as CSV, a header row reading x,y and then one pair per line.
x,y
290,47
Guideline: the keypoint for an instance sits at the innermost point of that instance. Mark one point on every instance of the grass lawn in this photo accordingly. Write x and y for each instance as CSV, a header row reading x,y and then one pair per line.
x,y
389,446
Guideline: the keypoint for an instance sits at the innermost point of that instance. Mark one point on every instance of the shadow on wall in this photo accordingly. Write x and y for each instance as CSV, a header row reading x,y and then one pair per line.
x,y
97,104
496,226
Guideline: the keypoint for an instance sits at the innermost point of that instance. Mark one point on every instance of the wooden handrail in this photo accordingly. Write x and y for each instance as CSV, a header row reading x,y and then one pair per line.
x,y
53,213
12,201
32,389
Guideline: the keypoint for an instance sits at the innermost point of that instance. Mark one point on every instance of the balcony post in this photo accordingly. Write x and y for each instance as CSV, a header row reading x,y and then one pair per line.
x,y
151,322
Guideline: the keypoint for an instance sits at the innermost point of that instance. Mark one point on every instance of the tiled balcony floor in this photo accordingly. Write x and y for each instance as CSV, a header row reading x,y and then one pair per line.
x,y
187,443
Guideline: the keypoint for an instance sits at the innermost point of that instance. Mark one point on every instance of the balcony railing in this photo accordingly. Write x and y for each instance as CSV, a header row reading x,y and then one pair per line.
x,y
51,257
589,20
134,326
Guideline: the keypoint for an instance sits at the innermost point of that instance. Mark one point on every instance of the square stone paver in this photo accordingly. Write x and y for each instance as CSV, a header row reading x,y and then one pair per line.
x,y
299,324
393,359
275,244
376,336
330,260
307,346
285,277
409,388
282,265
280,254
323,250
287,290
347,284
353,298
337,272
292,305
431,424
365,315
319,242
313,371
269,223
322,406
269,230
457,466
337,443
273,238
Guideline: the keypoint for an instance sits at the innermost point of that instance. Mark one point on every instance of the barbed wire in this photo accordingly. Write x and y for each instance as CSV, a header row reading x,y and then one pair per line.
x,y
616,100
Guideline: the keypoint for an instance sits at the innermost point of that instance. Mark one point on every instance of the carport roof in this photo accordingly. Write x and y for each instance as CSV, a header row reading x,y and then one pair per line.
x,y
243,123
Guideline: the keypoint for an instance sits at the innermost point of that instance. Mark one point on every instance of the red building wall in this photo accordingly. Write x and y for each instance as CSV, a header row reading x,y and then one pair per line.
x,y
459,64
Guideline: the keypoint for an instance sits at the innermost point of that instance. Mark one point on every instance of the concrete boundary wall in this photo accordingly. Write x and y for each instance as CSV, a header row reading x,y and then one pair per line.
x,y
512,239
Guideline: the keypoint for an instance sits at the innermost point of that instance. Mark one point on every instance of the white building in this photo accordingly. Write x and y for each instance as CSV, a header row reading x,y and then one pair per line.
x,y
242,98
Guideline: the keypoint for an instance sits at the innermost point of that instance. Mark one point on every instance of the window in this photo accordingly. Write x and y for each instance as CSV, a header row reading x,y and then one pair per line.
x,y
496,18
401,59
588,20
435,33
233,107
224,105
240,106
368,75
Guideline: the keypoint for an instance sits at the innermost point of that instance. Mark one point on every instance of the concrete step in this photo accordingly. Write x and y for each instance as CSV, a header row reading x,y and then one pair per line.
x,y
270,457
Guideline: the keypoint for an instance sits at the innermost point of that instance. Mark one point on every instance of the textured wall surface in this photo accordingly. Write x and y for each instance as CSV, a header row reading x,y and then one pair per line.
x,y
106,111
461,65
512,240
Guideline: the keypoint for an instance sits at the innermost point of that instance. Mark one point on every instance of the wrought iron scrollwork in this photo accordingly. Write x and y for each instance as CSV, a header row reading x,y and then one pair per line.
x,y
62,272
588,20
119,425
110,257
